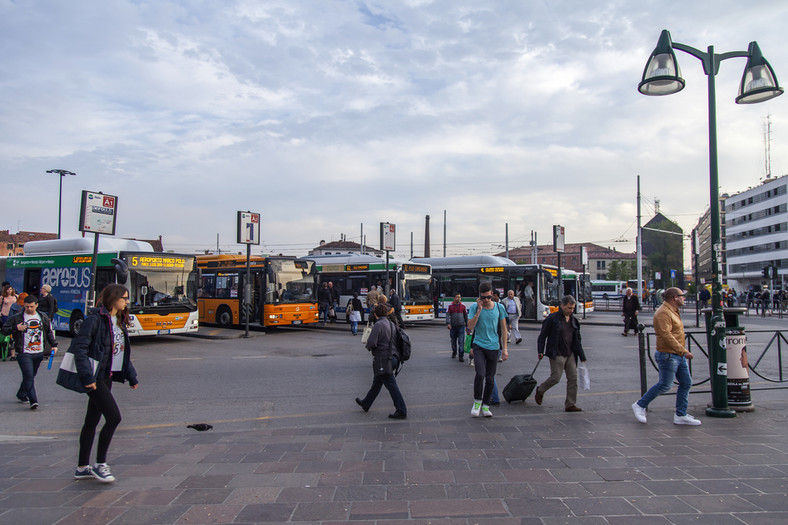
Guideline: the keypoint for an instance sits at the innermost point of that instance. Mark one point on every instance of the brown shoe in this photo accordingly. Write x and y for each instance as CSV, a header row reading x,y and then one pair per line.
x,y
573,408
538,397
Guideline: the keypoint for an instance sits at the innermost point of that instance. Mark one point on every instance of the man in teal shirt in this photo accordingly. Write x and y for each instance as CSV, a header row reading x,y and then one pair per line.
x,y
485,318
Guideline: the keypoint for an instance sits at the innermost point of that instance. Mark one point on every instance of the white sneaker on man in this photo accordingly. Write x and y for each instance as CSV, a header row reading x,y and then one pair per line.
x,y
477,408
640,412
486,411
685,420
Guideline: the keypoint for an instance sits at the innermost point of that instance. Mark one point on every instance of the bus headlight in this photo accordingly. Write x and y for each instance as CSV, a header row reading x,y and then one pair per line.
x,y
275,316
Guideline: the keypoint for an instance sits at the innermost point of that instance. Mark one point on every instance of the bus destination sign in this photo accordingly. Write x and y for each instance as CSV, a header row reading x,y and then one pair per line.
x,y
415,268
158,261
356,267
492,269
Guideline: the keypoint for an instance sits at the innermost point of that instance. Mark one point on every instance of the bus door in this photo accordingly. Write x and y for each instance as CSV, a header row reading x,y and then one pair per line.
x,y
32,281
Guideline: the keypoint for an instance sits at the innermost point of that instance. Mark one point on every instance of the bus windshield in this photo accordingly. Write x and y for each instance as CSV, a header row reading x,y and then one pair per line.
x,y
549,291
163,282
416,289
292,281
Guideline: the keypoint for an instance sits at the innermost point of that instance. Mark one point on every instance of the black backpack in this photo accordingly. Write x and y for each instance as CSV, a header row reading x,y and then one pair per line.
x,y
401,345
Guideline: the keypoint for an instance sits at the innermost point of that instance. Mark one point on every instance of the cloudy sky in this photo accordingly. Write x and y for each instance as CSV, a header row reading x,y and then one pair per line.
x,y
324,115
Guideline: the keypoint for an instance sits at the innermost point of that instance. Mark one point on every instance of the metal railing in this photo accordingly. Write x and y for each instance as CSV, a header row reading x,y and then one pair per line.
x,y
767,344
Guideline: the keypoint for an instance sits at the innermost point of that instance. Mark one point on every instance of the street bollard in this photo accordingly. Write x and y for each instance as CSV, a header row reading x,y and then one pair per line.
x,y
718,366
642,358
738,374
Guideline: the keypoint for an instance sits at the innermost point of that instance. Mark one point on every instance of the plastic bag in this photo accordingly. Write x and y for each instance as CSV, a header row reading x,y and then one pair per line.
x,y
583,381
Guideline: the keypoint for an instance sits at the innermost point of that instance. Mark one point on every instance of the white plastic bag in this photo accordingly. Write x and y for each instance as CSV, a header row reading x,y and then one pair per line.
x,y
583,380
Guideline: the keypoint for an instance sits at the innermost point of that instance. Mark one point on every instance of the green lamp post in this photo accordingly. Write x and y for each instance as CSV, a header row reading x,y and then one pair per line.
x,y
662,76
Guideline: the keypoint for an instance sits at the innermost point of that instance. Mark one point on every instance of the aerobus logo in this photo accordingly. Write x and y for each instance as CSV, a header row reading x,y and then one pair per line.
x,y
66,277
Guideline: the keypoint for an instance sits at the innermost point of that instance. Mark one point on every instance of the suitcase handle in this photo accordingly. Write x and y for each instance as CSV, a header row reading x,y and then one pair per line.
x,y
537,365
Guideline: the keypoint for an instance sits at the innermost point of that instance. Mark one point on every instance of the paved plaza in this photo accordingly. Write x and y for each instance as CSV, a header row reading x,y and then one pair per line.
x,y
331,463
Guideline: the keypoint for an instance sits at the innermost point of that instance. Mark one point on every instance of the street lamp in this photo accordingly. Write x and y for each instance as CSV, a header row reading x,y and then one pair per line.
x,y
662,76
62,174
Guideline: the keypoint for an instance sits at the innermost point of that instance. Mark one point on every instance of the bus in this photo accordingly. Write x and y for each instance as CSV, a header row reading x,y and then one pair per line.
x,y
463,274
578,285
357,273
605,290
282,290
162,286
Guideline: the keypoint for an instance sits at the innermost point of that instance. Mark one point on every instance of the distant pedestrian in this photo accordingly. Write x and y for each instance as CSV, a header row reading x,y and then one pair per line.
x,y
485,319
395,303
560,341
766,303
630,309
355,312
705,297
382,344
8,307
323,302
671,357
513,310
457,322
528,295
332,309
30,330
47,304
103,338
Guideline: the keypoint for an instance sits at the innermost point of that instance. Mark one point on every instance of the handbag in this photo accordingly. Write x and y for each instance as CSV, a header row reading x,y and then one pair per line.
x,y
365,335
382,365
67,376
468,342
583,380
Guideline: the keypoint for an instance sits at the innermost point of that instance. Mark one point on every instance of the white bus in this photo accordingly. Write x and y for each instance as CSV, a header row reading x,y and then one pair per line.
x,y
463,274
358,273
162,286
601,289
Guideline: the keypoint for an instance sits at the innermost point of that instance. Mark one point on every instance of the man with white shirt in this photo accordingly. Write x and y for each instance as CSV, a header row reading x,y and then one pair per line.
x,y
29,329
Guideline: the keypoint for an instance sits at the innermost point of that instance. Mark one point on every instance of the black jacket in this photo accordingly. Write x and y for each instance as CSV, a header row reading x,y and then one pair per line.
x,y
551,331
630,305
395,303
9,328
47,305
94,341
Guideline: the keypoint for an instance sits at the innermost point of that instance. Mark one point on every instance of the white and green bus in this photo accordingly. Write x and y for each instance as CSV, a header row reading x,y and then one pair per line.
x,y
162,286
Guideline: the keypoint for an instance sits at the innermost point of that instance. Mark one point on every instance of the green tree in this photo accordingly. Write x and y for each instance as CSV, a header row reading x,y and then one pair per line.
x,y
614,271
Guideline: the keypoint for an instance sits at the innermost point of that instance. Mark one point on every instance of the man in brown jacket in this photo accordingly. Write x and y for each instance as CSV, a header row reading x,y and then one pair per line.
x,y
671,357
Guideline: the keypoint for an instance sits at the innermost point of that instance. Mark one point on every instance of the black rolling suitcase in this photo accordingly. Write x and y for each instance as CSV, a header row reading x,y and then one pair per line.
x,y
520,386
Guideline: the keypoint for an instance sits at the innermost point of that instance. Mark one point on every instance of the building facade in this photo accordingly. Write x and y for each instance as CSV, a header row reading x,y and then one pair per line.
x,y
701,264
756,227
14,243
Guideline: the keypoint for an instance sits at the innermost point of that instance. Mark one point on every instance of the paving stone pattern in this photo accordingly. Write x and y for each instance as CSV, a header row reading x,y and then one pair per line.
x,y
587,468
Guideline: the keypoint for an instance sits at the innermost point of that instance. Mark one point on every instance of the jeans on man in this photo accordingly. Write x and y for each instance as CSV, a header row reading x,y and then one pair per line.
x,y
323,312
28,364
457,334
486,362
354,327
670,366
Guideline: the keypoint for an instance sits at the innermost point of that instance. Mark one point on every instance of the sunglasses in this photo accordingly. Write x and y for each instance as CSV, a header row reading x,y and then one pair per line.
x,y
487,297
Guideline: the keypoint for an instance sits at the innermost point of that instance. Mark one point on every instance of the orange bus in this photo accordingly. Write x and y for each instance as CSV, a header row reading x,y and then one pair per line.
x,y
281,290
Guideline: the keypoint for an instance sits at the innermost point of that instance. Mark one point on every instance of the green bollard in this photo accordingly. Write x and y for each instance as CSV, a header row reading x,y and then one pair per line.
x,y
718,366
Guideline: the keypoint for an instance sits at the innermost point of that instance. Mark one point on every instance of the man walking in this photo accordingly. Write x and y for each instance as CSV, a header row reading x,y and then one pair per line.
x,y
560,341
514,310
29,329
395,303
631,307
456,321
671,357
486,316
528,294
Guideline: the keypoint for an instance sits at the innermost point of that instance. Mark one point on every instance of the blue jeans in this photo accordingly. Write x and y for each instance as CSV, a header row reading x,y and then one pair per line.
x,y
670,366
494,398
28,364
457,334
486,362
354,327
323,312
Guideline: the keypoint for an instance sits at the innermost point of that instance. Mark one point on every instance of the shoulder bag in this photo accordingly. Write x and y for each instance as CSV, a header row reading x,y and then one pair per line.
x,y
365,335
67,375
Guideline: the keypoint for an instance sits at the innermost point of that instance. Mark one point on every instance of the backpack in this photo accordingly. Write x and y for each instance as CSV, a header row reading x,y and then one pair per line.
x,y
401,345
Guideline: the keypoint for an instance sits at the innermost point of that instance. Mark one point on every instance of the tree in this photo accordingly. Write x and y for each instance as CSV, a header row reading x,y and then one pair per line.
x,y
614,271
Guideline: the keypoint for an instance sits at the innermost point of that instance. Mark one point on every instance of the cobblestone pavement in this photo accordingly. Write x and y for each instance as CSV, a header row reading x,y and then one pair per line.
x,y
548,468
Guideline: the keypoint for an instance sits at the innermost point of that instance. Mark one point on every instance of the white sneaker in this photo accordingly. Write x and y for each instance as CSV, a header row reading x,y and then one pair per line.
x,y
477,407
640,412
486,411
685,420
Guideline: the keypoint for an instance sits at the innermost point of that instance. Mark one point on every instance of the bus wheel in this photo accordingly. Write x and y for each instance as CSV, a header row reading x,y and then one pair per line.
x,y
75,323
224,317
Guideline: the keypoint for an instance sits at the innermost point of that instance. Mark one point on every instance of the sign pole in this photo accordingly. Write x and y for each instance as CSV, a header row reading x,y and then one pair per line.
x,y
90,300
98,213
248,224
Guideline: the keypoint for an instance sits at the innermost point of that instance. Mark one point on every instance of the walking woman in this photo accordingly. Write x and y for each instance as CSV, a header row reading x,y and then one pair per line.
x,y
7,300
355,312
105,339
382,345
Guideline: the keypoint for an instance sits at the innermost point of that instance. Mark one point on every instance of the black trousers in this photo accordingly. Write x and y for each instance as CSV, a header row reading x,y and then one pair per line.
x,y
100,403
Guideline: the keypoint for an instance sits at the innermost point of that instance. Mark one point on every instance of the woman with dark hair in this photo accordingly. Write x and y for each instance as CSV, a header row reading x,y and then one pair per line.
x,y
104,340
8,300
383,347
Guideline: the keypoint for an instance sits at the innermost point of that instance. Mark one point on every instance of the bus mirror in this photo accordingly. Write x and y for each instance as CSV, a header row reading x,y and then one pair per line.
x,y
143,290
547,275
121,270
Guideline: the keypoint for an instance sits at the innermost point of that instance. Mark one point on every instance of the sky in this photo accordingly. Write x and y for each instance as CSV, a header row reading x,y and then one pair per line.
x,y
326,115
